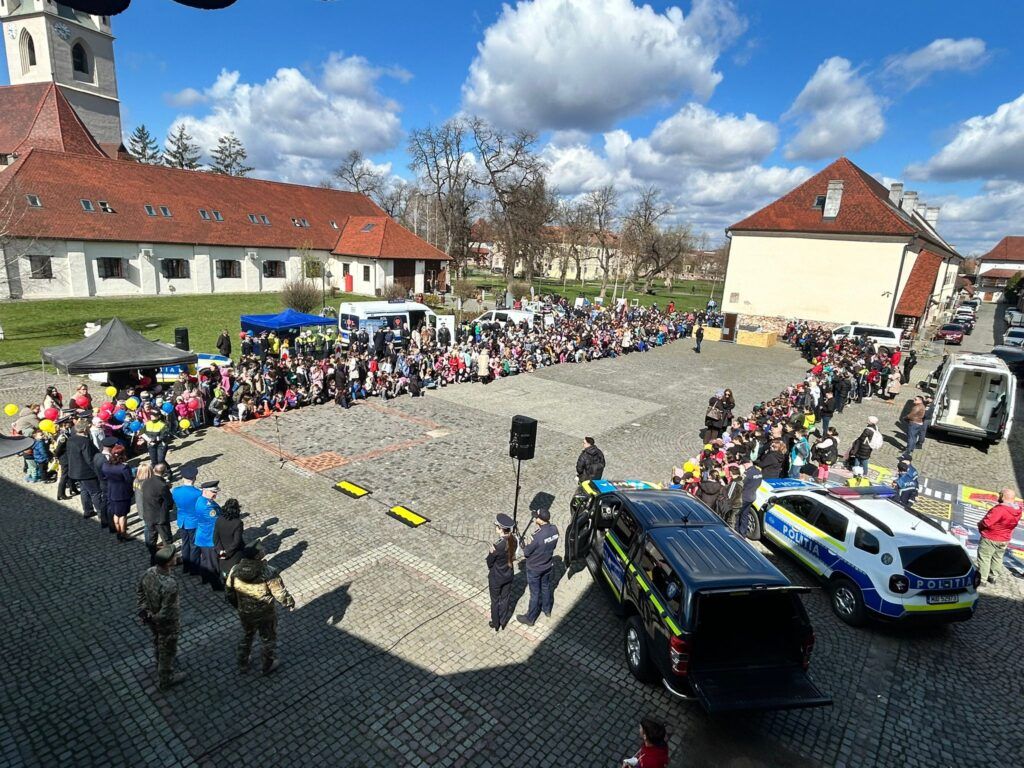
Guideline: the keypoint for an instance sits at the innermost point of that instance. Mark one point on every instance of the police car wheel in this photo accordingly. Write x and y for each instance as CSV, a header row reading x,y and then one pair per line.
x,y
847,602
637,657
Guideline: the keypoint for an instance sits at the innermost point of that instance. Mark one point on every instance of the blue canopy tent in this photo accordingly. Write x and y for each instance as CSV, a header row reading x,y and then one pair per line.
x,y
289,321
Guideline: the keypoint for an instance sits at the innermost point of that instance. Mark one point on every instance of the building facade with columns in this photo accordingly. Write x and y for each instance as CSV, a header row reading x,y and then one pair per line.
x,y
841,248
79,217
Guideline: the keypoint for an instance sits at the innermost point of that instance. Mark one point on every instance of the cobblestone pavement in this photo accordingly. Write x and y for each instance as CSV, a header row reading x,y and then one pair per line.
x,y
388,660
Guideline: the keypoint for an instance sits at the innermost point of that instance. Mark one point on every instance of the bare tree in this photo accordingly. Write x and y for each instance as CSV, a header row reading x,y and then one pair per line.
x,y
440,157
357,174
576,225
532,209
604,213
654,250
13,246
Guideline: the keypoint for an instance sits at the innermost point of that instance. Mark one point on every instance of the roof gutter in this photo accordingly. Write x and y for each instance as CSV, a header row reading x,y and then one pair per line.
x,y
899,276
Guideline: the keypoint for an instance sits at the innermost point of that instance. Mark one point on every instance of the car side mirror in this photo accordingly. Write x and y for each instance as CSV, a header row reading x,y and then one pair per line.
x,y
771,501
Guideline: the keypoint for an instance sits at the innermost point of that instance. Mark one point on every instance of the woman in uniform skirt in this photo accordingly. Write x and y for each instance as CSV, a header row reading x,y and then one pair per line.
x,y
227,536
500,572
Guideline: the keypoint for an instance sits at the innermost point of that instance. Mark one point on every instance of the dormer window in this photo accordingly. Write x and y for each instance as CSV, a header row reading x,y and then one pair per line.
x,y
368,227
165,211
819,201
217,216
34,201
87,206
305,223
334,224
253,219
150,210
204,214
264,219
106,207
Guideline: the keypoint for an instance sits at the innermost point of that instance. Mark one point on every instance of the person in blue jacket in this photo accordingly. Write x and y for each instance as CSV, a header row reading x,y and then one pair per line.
x,y
907,484
207,510
185,497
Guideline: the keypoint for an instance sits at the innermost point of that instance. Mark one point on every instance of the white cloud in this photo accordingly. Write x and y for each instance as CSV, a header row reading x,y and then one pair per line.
x,y
184,99
976,223
837,113
697,136
942,55
296,128
584,64
985,146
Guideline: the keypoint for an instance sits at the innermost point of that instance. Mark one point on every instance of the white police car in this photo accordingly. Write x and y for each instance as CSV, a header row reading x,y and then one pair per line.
x,y
877,558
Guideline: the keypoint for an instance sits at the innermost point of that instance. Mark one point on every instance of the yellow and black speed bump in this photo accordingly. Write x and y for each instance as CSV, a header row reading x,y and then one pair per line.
x,y
407,516
351,489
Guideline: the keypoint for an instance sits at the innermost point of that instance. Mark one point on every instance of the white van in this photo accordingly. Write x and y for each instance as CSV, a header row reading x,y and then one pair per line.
x,y
401,316
506,316
881,335
974,397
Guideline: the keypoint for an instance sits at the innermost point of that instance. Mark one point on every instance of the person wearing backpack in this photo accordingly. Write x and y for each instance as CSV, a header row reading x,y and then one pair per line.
x,y
825,452
716,417
869,440
799,453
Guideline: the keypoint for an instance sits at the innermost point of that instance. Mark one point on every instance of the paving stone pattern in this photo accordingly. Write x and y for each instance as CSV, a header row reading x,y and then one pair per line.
x,y
388,659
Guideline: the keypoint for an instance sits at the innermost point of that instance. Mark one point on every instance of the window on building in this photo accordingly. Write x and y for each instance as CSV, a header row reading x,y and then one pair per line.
x,y
150,210
174,269
28,51
227,268
87,205
313,268
366,274
305,222
106,207
368,227
273,269
345,269
819,201
296,222
204,214
264,219
334,224
40,267
80,59
217,216
34,201
253,219
107,268
5,159
165,211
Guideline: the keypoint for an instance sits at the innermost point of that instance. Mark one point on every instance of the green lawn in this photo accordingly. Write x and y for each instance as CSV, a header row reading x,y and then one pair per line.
x,y
680,293
31,325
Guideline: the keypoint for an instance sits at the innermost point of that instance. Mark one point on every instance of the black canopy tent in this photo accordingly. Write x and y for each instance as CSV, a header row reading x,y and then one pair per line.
x,y
115,347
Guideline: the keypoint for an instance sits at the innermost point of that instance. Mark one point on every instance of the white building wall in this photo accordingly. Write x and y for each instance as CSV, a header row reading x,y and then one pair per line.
x,y
417,280
814,278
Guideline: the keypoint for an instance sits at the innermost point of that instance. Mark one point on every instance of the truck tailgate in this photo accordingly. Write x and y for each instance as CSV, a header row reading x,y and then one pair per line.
x,y
727,690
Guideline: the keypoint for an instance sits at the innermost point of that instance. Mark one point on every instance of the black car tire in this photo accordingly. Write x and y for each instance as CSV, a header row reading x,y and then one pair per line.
x,y
638,656
847,601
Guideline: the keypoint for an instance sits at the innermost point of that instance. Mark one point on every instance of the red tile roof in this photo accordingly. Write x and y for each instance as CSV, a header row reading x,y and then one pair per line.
x,y
865,209
1000,274
61,180
1008,249
920,284
379,237
38,116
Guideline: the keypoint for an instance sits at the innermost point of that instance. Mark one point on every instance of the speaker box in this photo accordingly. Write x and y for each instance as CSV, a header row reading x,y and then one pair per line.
x,y
522,439
181,339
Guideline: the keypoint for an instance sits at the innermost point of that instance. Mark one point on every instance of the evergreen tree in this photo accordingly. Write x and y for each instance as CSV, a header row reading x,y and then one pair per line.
x,y
229,157
181,152
143,146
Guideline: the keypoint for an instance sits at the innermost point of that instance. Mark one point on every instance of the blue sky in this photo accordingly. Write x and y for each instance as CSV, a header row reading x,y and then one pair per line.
x,y
724,106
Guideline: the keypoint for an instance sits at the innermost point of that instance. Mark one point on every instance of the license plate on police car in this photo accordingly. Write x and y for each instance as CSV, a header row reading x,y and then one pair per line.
x,y
934,599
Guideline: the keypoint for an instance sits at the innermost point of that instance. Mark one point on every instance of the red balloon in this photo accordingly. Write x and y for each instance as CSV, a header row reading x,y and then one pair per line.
x,y
82,401
145,381
195,404
104,415
51,413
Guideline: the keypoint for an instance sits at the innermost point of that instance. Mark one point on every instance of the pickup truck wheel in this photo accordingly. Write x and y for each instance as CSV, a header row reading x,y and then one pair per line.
x,y
847,601
637,656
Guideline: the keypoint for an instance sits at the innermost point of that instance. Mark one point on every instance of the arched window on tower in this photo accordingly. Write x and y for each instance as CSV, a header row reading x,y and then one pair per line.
x,y
80,59
28,51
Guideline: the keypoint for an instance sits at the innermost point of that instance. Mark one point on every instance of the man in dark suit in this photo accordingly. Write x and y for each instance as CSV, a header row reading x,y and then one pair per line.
x,y
80,452
157,505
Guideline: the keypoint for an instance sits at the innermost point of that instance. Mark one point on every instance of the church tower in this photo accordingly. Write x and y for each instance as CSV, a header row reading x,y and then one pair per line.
x,y
49,42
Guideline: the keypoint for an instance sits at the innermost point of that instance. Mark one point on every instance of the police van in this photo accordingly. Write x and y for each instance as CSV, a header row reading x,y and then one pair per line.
x,y
401,316
706,613
877,558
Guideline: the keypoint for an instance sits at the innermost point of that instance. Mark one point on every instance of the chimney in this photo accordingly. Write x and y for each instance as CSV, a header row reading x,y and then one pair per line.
x,y
909,202
931,215
896,193
833,199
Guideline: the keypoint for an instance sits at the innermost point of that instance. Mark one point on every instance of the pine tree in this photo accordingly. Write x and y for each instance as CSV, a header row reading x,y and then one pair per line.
x,y
143,146
181,152
229,157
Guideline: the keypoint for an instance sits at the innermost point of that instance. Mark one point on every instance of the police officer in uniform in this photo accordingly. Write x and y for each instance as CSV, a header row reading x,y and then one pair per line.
x,y
185,497
500,572
207,510
538,554
159,609
253,587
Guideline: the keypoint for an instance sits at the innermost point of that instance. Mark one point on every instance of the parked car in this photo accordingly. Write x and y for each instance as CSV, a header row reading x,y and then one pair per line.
x,y
1013,317
950,333
1014,337
876,558
883,336
706,614
1014,359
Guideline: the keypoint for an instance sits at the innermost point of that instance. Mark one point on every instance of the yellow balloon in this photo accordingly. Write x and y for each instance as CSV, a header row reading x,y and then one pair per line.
x,y
111,391
184,423
11,409
690,467
48,426
131,403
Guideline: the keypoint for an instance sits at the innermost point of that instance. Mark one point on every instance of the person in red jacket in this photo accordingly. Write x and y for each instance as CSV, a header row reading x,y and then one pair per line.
x,y
996,528
654,751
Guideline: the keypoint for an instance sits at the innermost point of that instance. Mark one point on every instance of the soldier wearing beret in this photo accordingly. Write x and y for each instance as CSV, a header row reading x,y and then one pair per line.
x,y
160,610
253,587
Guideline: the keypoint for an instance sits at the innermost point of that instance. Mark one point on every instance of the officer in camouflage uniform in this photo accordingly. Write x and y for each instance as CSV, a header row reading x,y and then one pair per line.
x,y
159,609
252,588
